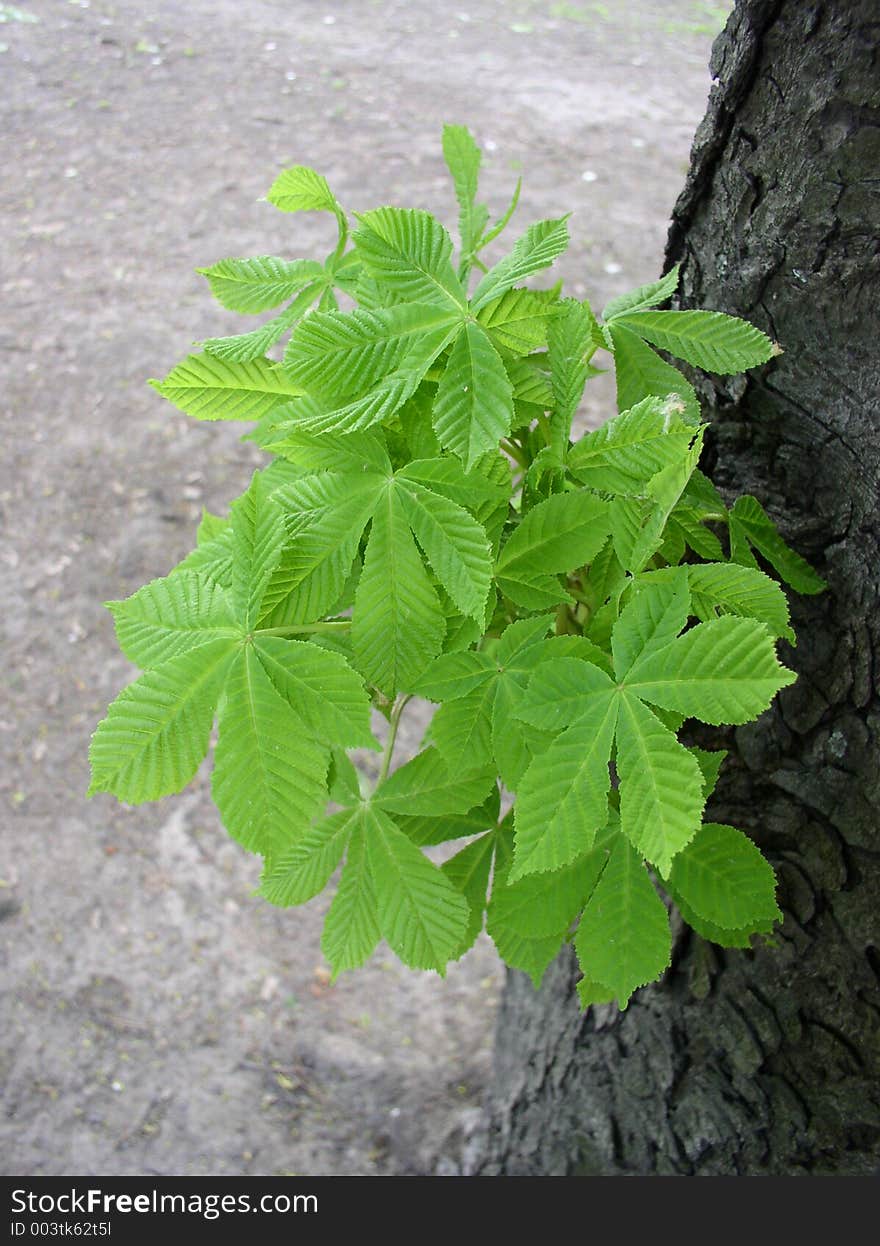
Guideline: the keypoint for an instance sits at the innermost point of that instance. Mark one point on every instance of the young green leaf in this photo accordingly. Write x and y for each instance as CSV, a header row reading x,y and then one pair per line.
x,y
454,544
171,616
301,871
321,688
351,928
397,627
623,940
408,251
463,160
724,879
645,296
623,455
555,536
708,340
474,404
255,285
539,246
267,792
750,525
426,786
213,389
157,730
301,189
641,373
421,914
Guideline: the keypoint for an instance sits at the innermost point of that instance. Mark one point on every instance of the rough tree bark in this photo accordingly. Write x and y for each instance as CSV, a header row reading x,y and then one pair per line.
x,y
765,1061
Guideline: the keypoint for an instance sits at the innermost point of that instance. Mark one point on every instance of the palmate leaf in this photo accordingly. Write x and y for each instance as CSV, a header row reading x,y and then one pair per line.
x,y
156,732
171,616
462,729
743,591
446,476
421,914
255,285
661,788
623,940
209,388
708,340
408,251
539,246
379,403
397,626
474,404
267,792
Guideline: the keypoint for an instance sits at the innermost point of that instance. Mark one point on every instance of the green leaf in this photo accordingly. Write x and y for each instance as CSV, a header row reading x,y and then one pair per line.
x,y
269,780
518,320
446,476
641,373
244,347
559,534
708,340
380,402
409,251
652,619
623,940
301,189
255,285
426,786
427,831
539,246
454,544
645,296
562,690
171,616
344,354
358,453
710,766
750,523
321,688
463,160
563,798
725,880
661,790
723,936
351,929
743,591
468,871
725,671
157,730
301,871
462,729
514,742
397,626
623,455
532,956
454,675
474,404
538,906
421,915
213,389
572,340
258,538
326,515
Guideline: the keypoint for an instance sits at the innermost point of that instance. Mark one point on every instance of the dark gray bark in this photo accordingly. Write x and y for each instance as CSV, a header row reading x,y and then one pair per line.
x,y
765,1061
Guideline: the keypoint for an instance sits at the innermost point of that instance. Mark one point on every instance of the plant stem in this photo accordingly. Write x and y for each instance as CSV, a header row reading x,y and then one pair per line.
x,y
510,447
294,629
393,724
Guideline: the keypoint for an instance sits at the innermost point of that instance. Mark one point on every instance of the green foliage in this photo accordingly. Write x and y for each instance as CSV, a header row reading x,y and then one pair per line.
x,y
429,526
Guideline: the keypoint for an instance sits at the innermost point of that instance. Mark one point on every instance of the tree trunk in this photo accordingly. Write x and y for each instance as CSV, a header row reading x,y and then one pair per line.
x,y
764,1061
